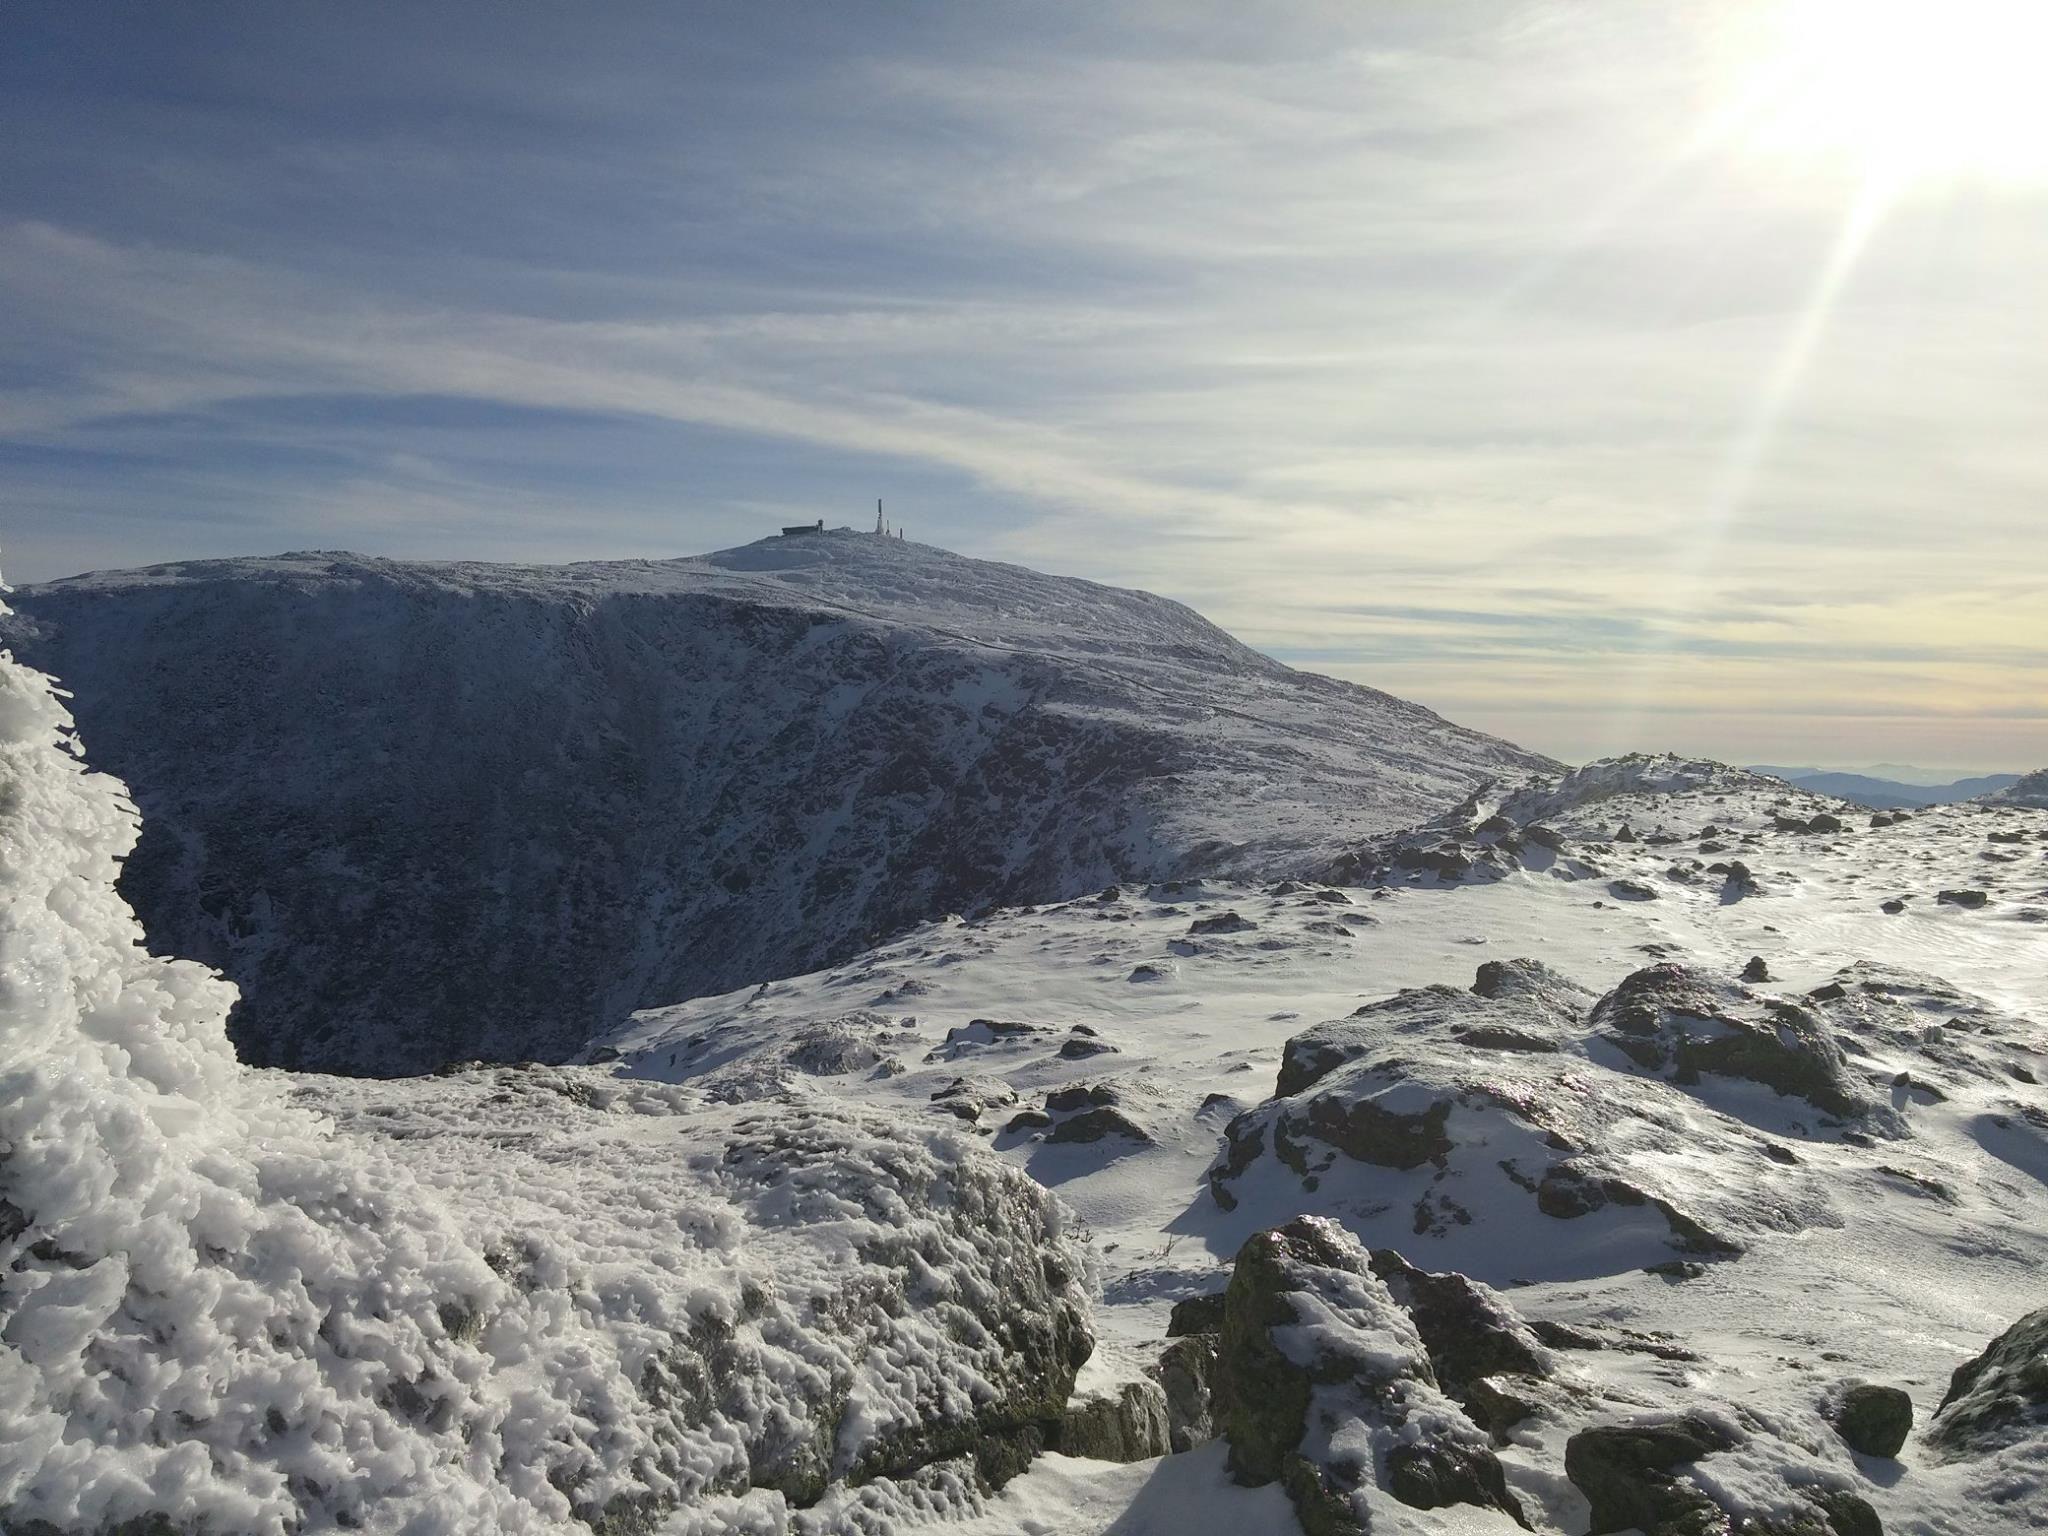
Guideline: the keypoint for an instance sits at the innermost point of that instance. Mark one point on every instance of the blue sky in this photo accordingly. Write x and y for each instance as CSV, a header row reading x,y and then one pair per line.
x,y
1505,356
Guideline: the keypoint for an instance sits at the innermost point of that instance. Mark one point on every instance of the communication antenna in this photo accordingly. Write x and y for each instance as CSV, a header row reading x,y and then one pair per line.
x,y
878,516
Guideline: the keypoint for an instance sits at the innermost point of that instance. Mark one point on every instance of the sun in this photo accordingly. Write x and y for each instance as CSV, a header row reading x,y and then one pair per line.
x,y
1911,89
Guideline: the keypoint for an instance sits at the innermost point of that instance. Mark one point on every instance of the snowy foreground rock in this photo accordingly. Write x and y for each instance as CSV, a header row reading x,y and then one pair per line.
x,y
426,813
499,1301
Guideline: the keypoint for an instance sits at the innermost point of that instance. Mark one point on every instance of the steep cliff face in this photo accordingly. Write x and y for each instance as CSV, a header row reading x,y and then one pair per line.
x,y
423,813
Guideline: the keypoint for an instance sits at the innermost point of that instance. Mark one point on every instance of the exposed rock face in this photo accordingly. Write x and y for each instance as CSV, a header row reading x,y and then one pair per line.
x,y
428,813
1131,1425
2001,1396
1331,1392
1872,1420
1186,1371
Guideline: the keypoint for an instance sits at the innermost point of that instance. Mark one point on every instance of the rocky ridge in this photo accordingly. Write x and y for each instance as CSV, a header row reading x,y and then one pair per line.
x,y
424,813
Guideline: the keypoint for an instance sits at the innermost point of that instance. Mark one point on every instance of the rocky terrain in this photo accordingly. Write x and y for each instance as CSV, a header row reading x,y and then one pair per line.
x,y
1649,1146
1543,1177
428,813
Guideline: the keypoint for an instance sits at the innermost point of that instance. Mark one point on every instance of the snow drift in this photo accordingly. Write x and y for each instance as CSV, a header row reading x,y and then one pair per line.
x,y
425,813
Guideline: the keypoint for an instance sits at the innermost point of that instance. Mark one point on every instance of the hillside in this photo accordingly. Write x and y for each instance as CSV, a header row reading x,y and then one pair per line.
x,y
430,812
1674,1108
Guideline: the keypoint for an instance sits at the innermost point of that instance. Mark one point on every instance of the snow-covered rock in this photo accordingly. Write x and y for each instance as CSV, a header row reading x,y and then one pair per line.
x,y
512,1301
1511,1127
426,813
2030,792
1329,1391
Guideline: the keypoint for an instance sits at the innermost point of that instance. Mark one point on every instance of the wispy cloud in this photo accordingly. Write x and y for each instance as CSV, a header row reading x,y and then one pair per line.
x,y
1412,343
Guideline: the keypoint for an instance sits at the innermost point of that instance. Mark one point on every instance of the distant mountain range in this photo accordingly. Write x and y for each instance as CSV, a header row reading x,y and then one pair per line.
x,y
1887,794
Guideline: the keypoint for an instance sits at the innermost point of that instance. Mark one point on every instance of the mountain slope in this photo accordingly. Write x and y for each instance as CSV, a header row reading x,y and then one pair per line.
x,y
1725,1145
423,813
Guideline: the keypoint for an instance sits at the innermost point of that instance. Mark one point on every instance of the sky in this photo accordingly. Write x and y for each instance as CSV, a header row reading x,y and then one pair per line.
x,y
1618,376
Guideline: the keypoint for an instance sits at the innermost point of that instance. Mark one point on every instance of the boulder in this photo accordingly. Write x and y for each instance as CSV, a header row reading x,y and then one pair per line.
x,y
1081,1047
1872,1420
1331,1391
1628,1473
1094,1124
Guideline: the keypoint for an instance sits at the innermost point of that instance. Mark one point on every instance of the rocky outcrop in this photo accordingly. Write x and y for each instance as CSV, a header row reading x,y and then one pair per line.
x,y
1330,1390
2000,1397
1634,1477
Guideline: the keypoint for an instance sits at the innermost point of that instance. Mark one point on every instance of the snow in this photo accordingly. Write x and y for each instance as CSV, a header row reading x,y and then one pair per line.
x,y
1846,1269
782,1259
425,813
255,1304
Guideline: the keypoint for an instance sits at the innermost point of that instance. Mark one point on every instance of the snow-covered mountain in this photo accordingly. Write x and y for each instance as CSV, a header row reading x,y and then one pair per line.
x,y
429,812
1652,1146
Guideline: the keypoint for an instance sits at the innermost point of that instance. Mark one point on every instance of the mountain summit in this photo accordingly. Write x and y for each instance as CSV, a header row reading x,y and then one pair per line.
x,y
424,812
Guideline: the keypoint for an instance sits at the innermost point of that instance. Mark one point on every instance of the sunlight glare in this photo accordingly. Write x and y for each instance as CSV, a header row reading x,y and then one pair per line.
x,y
1913,89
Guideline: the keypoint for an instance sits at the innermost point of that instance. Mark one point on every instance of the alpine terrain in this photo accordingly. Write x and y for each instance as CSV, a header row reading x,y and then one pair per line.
x,y
428,813
1018,1062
